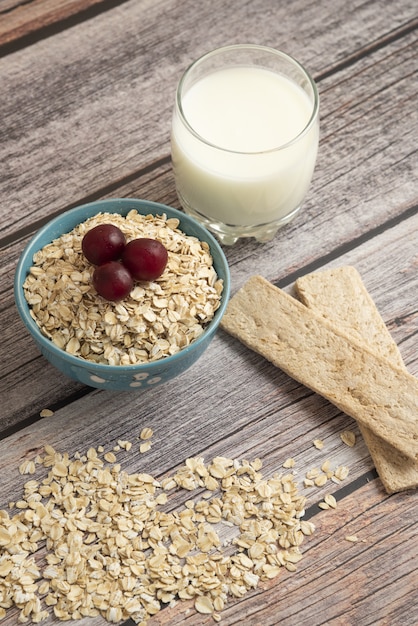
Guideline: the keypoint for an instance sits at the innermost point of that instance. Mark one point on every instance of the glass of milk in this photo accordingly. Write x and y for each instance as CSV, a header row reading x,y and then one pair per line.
x,y
244,140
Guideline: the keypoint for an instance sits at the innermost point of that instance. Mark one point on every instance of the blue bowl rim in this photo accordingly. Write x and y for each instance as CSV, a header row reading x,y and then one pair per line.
x,y
106,205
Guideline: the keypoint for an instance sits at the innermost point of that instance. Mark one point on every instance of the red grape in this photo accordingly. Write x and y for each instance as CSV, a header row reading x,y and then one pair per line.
x,y
103,243
112,281
145,258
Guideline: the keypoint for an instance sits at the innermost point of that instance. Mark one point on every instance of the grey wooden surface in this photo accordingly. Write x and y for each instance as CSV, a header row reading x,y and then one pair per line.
x,y
86,95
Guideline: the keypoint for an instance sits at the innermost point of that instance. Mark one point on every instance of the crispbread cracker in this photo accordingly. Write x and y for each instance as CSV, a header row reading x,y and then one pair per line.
x,y
341,297
364,385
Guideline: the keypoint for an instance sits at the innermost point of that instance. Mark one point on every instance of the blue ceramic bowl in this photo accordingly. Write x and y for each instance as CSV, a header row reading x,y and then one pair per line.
x,y
120,377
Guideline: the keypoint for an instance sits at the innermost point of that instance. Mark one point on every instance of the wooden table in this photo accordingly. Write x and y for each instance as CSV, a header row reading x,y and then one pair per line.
x,y
86,93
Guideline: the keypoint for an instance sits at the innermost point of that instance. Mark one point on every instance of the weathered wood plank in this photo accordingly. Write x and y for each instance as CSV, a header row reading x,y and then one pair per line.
x,y
57,148
337,582
28,381
264,398
20,19
117,72
327,579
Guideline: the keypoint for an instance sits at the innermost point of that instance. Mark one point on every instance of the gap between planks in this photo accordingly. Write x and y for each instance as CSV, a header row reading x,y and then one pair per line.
x,y
96,195
381,42
43,24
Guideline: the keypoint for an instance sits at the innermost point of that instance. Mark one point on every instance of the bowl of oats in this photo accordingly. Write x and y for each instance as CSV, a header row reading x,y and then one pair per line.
x,y
122,294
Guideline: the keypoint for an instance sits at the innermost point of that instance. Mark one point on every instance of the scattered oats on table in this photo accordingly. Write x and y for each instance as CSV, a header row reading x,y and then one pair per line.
x,y
318,477
156,320
329,502
110,551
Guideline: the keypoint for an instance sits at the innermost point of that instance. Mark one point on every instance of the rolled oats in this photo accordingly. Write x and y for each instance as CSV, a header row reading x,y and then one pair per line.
x,y
289,463
111,551
330,500
348,437
146,433
145,447
157,319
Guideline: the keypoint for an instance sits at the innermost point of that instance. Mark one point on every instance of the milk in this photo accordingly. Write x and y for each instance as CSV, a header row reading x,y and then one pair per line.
x,y
238,160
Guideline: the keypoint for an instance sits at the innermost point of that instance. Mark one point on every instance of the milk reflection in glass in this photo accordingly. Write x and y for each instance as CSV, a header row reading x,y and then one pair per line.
x,y
244,159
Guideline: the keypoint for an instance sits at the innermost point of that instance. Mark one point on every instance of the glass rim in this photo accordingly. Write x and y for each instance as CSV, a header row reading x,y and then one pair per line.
x,y
266,49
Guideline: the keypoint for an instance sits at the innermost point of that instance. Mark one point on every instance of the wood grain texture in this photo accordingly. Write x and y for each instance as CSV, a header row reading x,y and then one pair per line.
x,y
76,427
22,19
61,130
391,279
86,112
315,595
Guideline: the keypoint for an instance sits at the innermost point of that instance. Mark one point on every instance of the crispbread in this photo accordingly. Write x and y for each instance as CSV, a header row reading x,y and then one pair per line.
x,y
341,297
359,382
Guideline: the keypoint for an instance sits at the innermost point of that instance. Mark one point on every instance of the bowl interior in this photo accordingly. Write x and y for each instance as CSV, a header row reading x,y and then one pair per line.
x,y
65,223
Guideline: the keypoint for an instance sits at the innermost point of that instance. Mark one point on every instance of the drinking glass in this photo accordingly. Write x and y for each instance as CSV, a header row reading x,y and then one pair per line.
x,y
244,140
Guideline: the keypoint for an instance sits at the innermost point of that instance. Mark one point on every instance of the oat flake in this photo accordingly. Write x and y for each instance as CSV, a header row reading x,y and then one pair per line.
x,y
156,320
110,551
